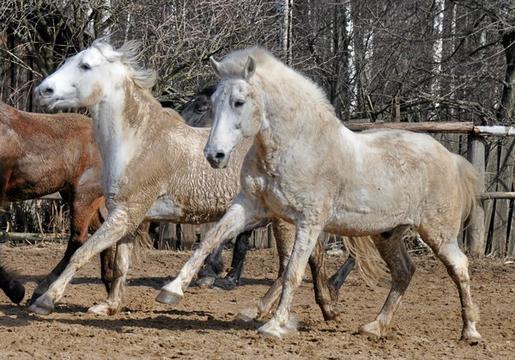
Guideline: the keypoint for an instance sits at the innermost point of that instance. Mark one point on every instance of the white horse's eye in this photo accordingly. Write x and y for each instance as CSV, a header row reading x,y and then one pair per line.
x,y
239,103
85,66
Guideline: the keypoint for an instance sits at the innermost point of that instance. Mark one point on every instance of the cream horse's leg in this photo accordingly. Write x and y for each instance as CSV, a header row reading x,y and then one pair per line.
x,y
305,241
113,303
392,250
241,215
118,224
456,262
285,236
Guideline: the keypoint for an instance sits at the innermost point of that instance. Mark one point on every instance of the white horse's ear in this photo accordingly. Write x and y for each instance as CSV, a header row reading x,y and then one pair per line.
x,y
249,69
215,65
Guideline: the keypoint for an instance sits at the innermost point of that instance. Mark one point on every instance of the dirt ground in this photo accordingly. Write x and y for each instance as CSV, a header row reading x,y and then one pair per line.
x,y
204,325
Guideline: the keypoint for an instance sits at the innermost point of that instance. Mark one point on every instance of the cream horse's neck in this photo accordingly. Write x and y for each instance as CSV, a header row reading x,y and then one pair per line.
x,y
120,122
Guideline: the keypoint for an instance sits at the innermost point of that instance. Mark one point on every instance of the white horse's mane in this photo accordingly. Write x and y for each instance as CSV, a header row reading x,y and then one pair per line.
x,y
129,54
272,69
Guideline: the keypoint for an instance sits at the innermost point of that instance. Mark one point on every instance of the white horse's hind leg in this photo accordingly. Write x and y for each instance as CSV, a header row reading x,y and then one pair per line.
x,y
392,250
281,323
456,263
121,267
240,215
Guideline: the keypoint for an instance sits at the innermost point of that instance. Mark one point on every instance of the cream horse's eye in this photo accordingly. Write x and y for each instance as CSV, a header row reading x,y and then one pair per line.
x,y
85,66
239,103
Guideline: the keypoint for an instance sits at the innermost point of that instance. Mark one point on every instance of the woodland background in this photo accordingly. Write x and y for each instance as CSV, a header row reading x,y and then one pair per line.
x,y
402,60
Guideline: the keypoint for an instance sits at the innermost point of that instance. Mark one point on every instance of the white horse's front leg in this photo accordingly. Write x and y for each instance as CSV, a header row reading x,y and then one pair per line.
x,y
305,241
112,230
241,214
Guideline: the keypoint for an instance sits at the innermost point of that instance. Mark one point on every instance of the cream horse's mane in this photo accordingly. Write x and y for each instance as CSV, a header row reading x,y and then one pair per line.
x,y
272,70
129,54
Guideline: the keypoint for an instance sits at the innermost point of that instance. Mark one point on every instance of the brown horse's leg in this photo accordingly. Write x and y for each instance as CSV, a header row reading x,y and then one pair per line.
x,y
121,267
83,209
391,247
12,287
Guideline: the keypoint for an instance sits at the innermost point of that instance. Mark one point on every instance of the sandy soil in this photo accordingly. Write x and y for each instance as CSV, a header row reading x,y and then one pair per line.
x,y
204,325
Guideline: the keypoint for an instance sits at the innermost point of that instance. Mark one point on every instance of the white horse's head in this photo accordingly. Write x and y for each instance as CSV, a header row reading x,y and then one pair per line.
x,y
93,74
237,111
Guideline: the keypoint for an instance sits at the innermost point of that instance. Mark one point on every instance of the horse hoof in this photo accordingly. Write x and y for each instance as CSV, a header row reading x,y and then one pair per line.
x,y
205,282
329,313
248,314
43,305
103,309
225,284
15,291
168,297
273,328
371,329
472,337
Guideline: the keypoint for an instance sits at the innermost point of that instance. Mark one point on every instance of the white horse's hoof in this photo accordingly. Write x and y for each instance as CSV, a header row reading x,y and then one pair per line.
x,y
248,314
471,336
273,328
168,297
372,329
43,305
103,309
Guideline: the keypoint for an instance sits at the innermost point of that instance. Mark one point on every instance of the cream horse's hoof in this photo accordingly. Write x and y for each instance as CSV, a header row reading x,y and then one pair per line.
x,y
248,314
274,328
104,309
372,329
43,305
168,297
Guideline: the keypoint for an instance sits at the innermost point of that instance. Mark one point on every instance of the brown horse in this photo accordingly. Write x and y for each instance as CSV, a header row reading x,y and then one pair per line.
x,y
41,154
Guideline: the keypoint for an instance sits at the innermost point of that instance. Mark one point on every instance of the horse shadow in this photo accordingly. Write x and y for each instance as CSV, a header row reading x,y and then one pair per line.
x,y
174,320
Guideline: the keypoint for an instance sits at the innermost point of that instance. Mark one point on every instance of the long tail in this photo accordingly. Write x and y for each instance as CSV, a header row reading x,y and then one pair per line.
x,y
370,263
470,183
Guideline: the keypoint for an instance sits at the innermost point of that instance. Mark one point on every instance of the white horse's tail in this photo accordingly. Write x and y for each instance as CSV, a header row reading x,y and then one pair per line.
x,y
370,263
469,183
472,212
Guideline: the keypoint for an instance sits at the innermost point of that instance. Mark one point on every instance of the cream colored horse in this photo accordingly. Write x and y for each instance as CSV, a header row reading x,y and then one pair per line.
x,y
153,167
307,168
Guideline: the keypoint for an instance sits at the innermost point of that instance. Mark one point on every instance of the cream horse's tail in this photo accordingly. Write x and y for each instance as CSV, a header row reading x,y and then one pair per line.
x,y
370,263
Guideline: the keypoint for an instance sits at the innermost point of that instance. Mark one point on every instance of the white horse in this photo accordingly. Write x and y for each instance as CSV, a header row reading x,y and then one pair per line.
x,y
307,168
153,168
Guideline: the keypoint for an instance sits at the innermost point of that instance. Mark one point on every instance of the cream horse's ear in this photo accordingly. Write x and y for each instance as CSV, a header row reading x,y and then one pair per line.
x,y
249,69
215,65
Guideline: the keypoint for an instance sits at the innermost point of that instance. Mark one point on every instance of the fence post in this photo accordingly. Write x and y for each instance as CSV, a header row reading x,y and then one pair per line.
x,y
476,227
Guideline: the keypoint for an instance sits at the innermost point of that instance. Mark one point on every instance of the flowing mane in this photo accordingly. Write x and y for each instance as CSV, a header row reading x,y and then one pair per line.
x,y
130,55
271,70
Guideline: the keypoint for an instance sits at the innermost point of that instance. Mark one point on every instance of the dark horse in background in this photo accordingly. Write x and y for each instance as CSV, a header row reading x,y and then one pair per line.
x,y
197,113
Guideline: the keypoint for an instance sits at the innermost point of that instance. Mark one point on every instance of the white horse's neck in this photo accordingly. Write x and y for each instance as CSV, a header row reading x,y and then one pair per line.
x,y
117,137
312,129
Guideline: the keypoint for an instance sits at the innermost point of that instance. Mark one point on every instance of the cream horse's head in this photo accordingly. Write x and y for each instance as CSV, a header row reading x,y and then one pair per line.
x,y
92,75
237,112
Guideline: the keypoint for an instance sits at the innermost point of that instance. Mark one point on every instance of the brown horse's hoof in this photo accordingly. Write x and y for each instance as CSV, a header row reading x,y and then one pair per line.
x,y
15,291
44,305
